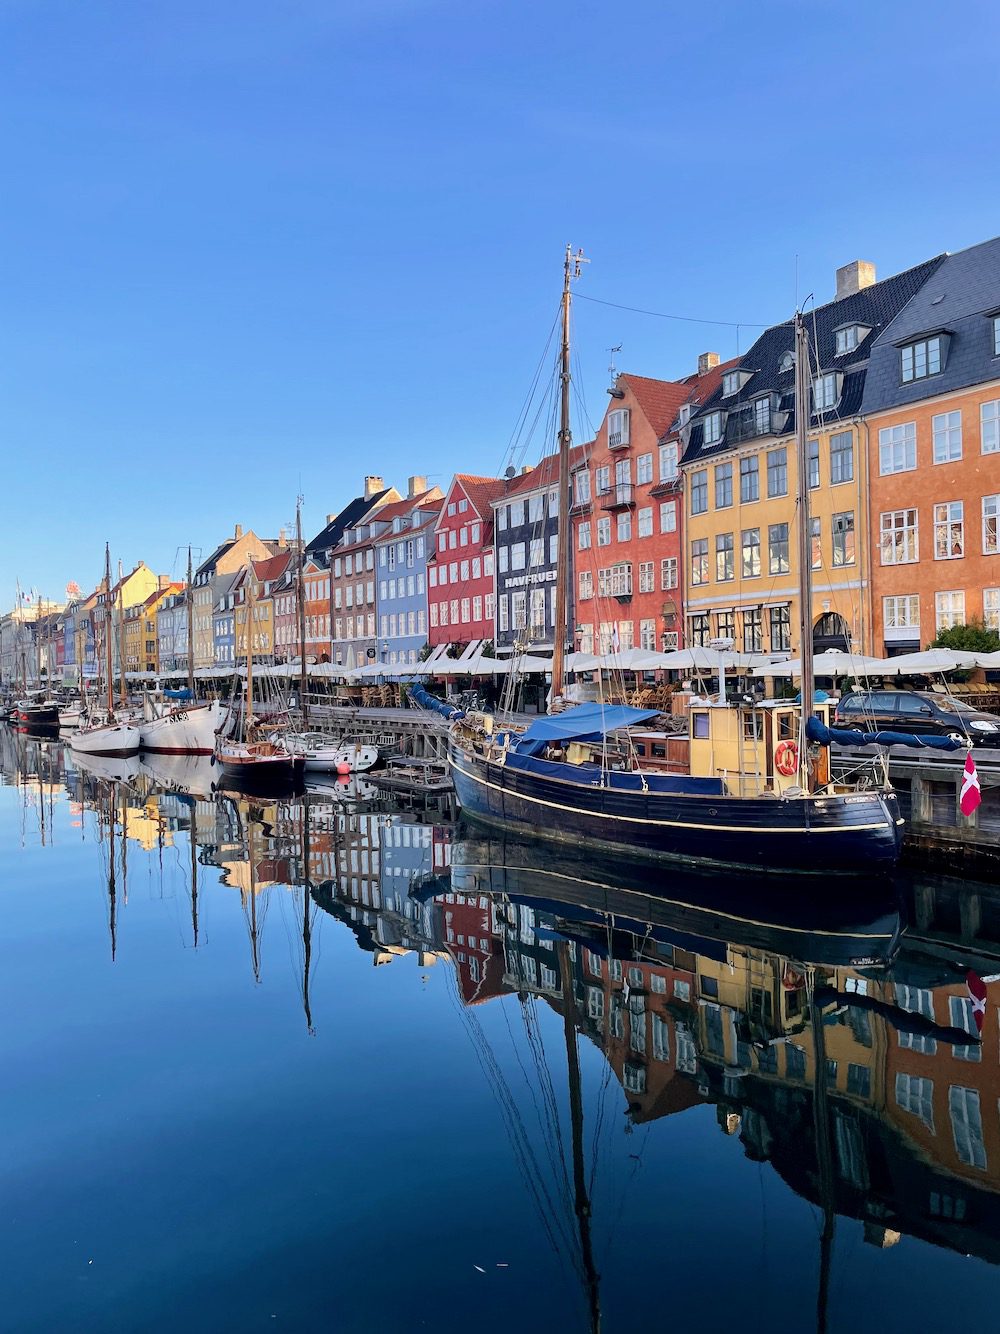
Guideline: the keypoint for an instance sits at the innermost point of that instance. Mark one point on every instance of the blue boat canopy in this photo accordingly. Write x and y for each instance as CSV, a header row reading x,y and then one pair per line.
x,y
584,722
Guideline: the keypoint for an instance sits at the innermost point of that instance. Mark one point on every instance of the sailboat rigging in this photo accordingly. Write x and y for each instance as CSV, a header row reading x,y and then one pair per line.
x,y
108,736
581,776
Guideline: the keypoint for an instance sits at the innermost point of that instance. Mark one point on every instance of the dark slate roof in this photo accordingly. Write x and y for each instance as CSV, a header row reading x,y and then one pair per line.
x,y
875,307
351,514
216,556
961,296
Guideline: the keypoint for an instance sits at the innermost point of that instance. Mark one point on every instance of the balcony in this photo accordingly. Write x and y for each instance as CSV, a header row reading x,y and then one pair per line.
x,y
621,497
619,439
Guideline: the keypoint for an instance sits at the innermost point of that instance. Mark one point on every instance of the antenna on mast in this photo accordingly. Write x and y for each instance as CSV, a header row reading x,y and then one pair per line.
x,y
613,369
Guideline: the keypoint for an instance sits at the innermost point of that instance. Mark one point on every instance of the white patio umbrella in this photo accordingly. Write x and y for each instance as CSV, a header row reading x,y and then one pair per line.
x,y
929,661
834,662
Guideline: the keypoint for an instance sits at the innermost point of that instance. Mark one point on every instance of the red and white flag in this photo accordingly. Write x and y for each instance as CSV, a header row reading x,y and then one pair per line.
x,y
977,994
971,794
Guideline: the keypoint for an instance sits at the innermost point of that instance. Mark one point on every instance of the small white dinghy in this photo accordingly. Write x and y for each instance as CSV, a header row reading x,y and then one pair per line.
x,y
324,754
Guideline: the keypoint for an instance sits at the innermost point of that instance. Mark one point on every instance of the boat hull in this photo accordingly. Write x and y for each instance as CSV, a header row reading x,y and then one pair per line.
x,y
113,739
183,731
251,769
38,716
852,834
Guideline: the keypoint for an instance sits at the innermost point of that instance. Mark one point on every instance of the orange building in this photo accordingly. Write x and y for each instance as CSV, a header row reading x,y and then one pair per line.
x,y
932,416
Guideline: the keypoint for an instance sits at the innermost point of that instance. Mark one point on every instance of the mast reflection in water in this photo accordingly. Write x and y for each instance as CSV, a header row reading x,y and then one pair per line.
x,y
527,1116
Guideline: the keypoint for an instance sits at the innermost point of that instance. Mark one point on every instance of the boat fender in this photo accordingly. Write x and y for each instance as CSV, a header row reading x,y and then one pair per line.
x,y
786,758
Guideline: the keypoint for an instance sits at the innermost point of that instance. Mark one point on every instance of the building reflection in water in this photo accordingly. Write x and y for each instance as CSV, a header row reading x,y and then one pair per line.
x,y
838,1046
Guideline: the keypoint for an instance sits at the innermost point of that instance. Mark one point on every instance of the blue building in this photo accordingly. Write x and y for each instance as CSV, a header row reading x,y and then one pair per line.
x,y
404,542
224,623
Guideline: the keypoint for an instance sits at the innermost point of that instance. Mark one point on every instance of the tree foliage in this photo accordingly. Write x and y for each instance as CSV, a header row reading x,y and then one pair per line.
x,y
971,638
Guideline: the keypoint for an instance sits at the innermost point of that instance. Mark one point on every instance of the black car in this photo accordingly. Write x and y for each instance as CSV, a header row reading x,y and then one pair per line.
x,y
920,713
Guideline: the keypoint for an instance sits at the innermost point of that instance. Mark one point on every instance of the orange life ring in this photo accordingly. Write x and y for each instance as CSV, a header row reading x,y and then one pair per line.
x,y
786,758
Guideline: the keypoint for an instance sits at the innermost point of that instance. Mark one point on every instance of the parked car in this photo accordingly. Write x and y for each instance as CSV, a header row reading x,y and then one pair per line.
x,y
920,713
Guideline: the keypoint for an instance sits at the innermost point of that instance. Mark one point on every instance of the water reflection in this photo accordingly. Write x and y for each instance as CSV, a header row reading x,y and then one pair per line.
x,y
836,1039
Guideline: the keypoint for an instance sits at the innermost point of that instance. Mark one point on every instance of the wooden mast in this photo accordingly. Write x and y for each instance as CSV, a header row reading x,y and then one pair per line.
x,y
301,609
571,270
190,620
107,631
248,631
805,538
122,696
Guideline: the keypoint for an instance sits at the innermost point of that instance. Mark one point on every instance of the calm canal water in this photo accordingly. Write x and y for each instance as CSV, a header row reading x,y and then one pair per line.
x,y
317,1065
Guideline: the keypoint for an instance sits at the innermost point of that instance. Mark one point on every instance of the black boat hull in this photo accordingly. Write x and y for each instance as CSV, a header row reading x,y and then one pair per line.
x,y
853,834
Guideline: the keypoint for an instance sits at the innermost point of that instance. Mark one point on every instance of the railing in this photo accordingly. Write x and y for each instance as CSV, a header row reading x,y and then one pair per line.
x,y
621,497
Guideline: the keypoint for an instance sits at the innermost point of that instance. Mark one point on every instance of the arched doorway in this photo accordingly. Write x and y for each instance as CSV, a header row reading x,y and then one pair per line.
x,y
831,631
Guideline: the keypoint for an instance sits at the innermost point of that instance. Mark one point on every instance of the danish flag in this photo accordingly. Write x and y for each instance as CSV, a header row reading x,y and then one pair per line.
x,y
971,795
977,994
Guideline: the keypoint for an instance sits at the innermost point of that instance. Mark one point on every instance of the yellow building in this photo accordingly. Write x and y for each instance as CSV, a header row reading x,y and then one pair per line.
x,y
230,556
740,475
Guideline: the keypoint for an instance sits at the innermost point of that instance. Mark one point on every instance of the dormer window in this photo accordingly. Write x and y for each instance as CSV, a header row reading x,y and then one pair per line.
x,y
850,336
712,429
826,391
684,416
618,432
996,335
762,415
919,360
787,363
733,382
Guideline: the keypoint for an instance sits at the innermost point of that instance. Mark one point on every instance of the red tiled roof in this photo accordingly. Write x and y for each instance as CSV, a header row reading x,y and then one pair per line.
x,y
659,400
272,568
702,387
482,491
546,473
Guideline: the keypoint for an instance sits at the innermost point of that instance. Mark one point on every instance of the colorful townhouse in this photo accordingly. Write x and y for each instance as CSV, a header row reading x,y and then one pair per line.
x,y
461,589
352,594
224,622
626,518
932,422
266,575
526,527
227,558
740,479
130,590
172,632
403,544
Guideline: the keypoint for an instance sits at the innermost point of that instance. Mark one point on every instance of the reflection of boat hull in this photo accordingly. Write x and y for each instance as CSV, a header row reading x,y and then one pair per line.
x,y
194,775
108,739
857,833
697,912
112,768
182,731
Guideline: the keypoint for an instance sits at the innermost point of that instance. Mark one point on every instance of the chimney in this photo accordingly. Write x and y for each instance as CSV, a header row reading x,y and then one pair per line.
x,y
237,532
282,540
525,469
163,581
373,485
707,361
854,276
330,518
415,486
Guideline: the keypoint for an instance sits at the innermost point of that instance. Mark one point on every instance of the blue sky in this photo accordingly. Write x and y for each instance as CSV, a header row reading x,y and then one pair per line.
x,y
255,248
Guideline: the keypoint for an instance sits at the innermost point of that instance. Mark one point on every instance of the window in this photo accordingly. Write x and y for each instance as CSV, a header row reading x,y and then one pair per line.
x,y
553,548
949,609
643,469
645,528
813,455
750,564
519,609
961,1015
777,548
701,632
647,579
762,416
699,561
967,1126
730,383
777,472
586,585
668,462
647,634
625,526
603,479
825,393
843,538
536,554
946,431
841,458
618,423
517,553
503,617
723,485
753,639
538,609
583,536
816,543
699,491
749,479
920,359
991,515
553,504
902,612
781,629
603,532
581,487
847,339
897,448
668,573
991,608
724,557
899,534
503,562
915,1095
712,428
989,427
949,530
536,508
725,624
996,335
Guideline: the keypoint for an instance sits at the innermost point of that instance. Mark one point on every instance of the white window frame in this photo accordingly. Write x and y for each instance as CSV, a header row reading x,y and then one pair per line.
x,y
899,533
949,609
949,529
618,428
897,448
989,427
946,436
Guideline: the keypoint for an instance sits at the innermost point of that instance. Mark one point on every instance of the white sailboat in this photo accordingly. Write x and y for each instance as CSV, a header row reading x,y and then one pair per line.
x,y
110,736
325,754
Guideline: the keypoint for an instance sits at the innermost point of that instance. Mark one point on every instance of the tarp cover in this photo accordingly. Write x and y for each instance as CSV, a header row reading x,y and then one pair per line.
x,y
850,736
584,722
427,701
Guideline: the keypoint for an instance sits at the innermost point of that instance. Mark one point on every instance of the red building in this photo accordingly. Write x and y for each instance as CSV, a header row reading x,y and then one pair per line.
x,y
628,513
461,585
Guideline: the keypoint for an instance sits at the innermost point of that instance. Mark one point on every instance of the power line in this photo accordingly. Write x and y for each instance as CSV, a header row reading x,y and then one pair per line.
x,y
684,319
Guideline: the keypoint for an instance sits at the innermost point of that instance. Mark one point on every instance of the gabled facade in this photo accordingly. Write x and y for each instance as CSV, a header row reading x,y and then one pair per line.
x,y
229,557
224,622
374,495
461,590
316,606
172,632
352,596
266,575
403,544
740,480
932,413
526,526
131,589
